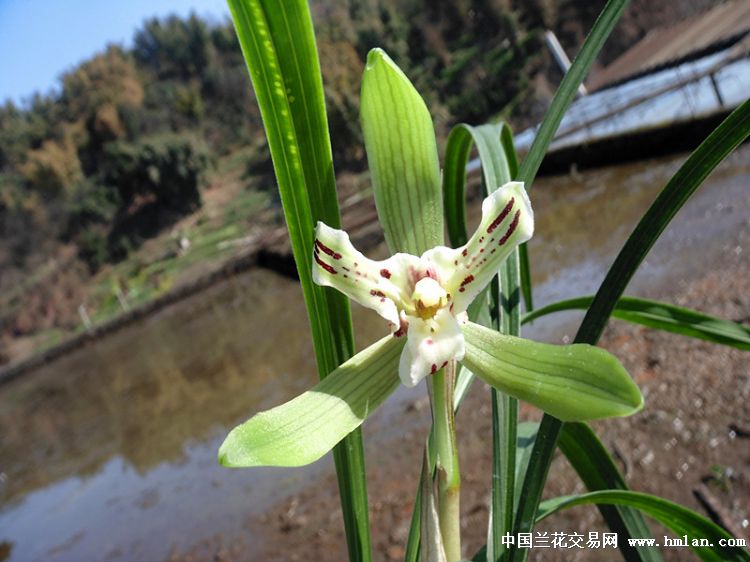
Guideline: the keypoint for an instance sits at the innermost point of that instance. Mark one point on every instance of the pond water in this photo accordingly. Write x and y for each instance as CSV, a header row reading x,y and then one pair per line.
x,y
109,453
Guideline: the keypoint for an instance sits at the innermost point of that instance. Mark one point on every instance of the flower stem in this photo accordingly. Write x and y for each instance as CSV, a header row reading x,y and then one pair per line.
x,y
447,471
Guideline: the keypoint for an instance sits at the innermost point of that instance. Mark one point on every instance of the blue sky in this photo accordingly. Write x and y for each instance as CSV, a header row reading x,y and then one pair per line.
x,y
40,39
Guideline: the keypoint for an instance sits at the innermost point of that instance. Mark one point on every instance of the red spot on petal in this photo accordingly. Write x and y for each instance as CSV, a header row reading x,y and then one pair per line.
x,y
444,364
375,293
481,250
466,251
327,250
504,213
468,279
385,273
511,228
402,328
433,370
429,341
324,265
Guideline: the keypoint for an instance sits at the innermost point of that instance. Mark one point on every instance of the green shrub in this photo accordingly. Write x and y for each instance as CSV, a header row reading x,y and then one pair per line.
x,y
168,168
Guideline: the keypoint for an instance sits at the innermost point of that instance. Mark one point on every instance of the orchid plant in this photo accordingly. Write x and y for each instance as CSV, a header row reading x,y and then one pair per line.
x,y
441,304
424,300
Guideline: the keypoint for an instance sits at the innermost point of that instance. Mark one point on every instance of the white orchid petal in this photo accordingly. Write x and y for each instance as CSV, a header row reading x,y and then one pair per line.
x,y
430,345
384,286
507,221
404,368
443,262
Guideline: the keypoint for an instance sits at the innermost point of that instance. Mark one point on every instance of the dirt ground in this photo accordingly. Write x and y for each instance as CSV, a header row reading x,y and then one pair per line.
x,y
694,434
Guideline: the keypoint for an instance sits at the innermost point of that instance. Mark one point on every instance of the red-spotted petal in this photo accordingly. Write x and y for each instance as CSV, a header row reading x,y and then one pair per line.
x,y
384,286
507,221
430,345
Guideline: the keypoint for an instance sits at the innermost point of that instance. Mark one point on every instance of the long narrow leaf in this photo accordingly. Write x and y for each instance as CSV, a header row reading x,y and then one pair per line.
x,y
527,432
547,439
495,145
524,267
590,459
497,156
278,44
721,142
457,151
496,170
563,97
677,518
661,316
566,93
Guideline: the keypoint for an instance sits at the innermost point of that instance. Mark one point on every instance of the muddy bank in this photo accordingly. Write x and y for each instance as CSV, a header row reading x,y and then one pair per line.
x,y
692,436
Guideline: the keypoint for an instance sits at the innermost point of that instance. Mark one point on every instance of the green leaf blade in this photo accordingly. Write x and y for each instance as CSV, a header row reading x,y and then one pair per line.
x,y
677,518
596,468
304,429
568,88
402,157
722,141
499,163
661,316
278,45
572,383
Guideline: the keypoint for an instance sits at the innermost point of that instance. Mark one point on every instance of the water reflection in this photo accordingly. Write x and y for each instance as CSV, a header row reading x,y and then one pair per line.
x,y
110,452
119,439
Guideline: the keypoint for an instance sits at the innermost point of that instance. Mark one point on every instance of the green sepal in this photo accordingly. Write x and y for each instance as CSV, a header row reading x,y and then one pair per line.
x,y
402,157
571,382
304,429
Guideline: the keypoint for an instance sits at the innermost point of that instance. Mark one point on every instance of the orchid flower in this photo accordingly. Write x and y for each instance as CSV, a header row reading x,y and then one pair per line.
x,y
425,298
423,292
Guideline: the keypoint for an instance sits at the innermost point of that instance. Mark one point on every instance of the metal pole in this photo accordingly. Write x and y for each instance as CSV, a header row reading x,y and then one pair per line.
x,y
562,59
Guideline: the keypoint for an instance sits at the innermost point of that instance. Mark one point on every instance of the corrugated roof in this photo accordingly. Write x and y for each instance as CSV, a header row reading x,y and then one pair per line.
x,y
667,46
